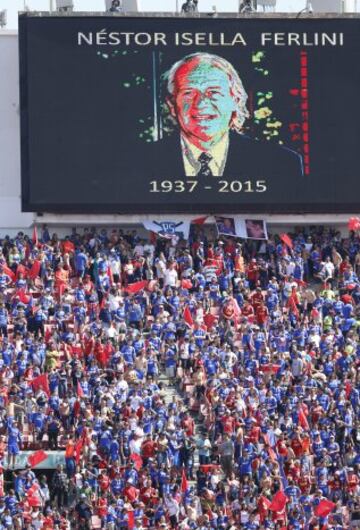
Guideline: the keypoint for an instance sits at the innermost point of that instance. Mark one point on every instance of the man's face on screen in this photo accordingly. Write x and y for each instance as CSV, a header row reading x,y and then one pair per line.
x,y
202,103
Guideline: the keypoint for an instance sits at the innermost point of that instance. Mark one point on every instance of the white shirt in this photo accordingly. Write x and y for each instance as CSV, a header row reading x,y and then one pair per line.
x,y
111,332
122,386
139,249
135,446
191,155
114,302
160,268
171,277
329,269
115,266
290,267
172,506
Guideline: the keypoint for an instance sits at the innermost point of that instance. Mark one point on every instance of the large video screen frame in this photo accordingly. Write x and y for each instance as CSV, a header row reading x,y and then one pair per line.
x,y
116,111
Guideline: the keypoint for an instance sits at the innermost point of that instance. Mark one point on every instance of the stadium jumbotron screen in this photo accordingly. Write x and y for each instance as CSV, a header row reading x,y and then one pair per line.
x,y
141,115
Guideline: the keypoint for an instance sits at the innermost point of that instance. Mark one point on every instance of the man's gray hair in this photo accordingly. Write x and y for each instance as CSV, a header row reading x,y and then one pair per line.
x,y
237,89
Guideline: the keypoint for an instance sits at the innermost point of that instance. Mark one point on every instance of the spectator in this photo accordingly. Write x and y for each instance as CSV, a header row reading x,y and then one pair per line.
x,y
190,6
115,6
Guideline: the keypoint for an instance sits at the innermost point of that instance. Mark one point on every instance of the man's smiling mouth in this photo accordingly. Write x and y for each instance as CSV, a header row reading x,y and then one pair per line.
x,y
201,117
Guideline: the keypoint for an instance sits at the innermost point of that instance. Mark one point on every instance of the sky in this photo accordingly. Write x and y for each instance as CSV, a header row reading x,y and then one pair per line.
x,y
13,6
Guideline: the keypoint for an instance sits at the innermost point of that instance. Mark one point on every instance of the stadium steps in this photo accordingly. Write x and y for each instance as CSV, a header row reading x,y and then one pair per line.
x,y
171,391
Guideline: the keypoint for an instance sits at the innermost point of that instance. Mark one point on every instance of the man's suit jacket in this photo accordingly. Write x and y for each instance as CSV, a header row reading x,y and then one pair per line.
x,y
246,158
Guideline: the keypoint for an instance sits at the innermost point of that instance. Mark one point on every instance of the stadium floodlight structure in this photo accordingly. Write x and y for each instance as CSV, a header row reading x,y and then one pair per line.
x,y
65,5
3,18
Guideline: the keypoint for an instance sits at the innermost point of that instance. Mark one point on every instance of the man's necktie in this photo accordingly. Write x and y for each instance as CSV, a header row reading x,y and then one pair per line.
x,y
204,170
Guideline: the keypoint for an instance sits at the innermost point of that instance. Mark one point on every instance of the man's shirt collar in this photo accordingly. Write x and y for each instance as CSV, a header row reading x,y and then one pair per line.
x,y
191,153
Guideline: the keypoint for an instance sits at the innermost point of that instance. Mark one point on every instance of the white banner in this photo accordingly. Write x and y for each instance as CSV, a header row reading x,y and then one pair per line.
x,y
239,227
169,229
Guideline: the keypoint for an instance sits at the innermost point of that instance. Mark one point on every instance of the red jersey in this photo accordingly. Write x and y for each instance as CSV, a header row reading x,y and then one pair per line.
x,y
257,299
247,310
228,424
148,449
252,272
297,447
189,426
262,314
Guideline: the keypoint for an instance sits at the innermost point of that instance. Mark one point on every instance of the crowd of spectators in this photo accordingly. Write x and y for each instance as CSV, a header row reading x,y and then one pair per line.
x,y
208,384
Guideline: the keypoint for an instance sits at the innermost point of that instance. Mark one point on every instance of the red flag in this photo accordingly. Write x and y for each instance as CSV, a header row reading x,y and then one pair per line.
x,y
9,272
35,238
137,460
272,454
265,368
354,224
208,468
131,520
199,220
188,317
68,247
23,297
303,420
110,274
348,389
78,449
263,503
324,508
35,458
278,502
263,507
35,270
103,302
266,439
108,350
79,390
300,283
34,488
21,269
134,288
269,449
209,320
131,493
269,367
184,482
186,284
287,240
34,501
41,381
275,368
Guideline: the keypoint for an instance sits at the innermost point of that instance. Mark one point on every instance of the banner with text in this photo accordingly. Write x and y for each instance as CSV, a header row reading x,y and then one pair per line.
x,y
169,229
